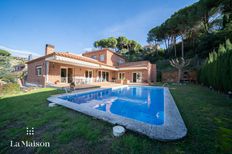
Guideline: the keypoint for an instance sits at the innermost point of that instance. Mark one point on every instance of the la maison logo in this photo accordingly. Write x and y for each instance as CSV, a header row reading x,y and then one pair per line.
x,y
26,143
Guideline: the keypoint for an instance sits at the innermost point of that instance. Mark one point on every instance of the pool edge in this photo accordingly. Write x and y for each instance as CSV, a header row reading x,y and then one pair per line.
x,y
169,131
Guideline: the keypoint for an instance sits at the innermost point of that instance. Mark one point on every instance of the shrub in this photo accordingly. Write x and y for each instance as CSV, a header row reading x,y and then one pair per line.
x,y
4,53
10,88
217,70
159,76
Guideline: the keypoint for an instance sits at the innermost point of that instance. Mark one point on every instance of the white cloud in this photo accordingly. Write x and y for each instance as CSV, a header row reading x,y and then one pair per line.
x,y
19,53
137,27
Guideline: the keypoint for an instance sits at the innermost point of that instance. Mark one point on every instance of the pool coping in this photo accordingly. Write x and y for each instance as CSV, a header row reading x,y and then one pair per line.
x,y
173,128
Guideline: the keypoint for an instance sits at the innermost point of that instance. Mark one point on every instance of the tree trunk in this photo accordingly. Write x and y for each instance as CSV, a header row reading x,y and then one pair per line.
x,y
182,47
165,44
206,22
175,46
179,75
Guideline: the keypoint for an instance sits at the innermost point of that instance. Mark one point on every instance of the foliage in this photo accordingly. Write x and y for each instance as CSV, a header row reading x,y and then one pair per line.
x,y
197,29
7,64
217,70
110,42
4,53
5,68
9,88
128,48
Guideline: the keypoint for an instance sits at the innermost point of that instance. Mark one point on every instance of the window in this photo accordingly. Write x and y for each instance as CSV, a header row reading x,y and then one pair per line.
x,y
121,76
120,61
39,70
94,57
102,57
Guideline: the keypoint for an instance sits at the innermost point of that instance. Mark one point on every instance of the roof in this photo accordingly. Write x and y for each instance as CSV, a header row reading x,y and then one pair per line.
x,y
70,55
88,59
105,49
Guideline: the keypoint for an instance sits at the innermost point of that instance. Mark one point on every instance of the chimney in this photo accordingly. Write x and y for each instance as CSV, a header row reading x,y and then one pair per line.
x,y
29,57
49,49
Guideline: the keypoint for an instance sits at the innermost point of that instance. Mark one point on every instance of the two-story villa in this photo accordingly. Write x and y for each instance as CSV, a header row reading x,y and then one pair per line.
x,y
95,66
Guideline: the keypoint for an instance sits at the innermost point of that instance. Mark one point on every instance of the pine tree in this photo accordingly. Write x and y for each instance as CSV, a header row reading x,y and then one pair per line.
x,y
221,49
228,45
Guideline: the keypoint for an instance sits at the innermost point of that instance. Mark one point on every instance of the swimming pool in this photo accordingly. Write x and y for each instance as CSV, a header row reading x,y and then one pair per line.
x,y
144,104
147,110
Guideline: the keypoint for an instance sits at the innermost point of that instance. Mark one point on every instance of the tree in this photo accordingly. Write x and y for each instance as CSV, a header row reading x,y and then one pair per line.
x,y
6,69
112,42
179,64
4,53
124,46
187,25
228,45
221,49
122,43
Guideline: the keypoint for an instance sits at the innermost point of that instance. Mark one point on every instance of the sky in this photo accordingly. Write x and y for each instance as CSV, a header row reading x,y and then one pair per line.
x,y
73,25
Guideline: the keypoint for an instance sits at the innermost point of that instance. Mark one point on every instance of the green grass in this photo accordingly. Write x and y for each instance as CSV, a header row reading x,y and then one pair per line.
x,y
207,114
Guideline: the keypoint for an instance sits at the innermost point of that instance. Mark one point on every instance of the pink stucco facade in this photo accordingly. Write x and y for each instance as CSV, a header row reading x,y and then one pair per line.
x,y
60,67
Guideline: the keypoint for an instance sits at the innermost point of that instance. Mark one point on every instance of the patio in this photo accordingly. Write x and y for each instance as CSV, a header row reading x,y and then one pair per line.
x,y
87,86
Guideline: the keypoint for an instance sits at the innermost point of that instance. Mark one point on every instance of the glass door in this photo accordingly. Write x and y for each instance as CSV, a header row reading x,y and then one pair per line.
x,y
134,77
107,76
63,75
70,75
137,77
88,75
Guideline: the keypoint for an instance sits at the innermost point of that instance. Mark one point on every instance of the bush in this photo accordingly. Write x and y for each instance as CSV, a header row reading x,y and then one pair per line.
x,y
159,76
10,88
4,53
217,71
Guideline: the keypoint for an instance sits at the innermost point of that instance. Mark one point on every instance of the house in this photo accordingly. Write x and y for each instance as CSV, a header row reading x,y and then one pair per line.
x,y
96,66
19,67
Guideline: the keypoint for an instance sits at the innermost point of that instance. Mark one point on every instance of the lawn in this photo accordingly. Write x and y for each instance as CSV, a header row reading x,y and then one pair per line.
x,y
207,114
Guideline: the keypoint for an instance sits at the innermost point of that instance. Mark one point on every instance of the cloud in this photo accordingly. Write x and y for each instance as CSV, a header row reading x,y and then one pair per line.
x,y
137,27
19,53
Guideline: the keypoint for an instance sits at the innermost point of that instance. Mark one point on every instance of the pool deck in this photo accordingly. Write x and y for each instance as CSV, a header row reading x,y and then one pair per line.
x,y
173,128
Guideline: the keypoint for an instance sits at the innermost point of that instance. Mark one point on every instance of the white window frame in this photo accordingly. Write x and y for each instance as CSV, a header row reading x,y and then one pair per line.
x,y
136,79
37,72
88,73
121,75
101,78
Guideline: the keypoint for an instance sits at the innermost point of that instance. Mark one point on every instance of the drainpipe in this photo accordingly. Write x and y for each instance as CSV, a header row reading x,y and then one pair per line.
x,y
47,72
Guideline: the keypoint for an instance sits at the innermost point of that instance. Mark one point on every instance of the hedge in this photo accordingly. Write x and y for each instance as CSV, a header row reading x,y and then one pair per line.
x,y
217,70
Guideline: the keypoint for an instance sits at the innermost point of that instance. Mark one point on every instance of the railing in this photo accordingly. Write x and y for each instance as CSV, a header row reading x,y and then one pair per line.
x,y
63,79
83,80
100,80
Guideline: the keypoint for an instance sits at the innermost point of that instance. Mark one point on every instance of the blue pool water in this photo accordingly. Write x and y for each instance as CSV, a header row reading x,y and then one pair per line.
x,y
142,103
